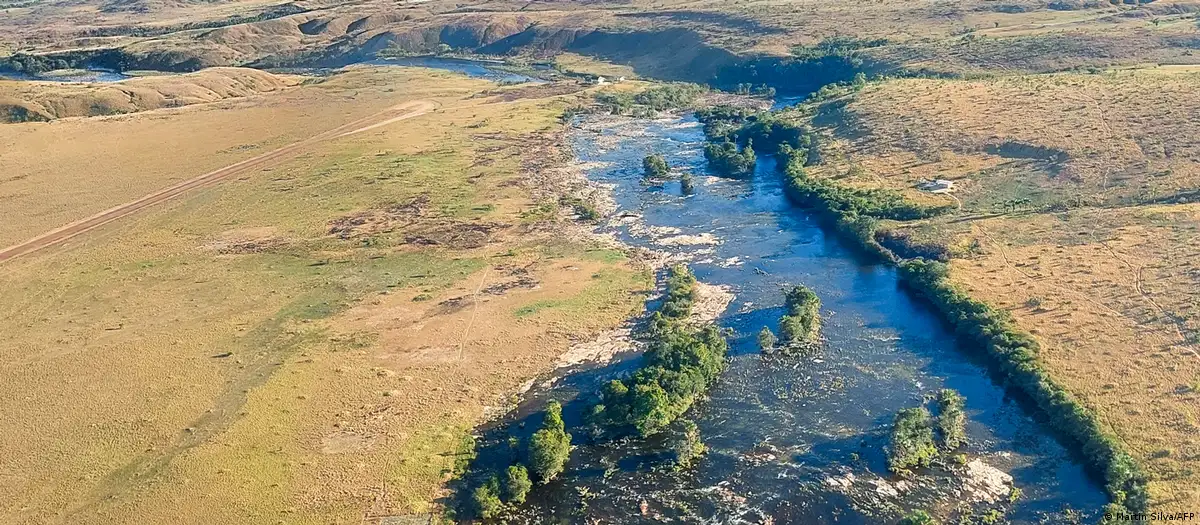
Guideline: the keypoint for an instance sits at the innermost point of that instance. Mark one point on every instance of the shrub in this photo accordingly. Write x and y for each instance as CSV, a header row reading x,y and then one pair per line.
x,y
951,420
661,98
912,440
721,123
583,209
685,184
918,517
487,499
655,167
550,446
670,96
516,484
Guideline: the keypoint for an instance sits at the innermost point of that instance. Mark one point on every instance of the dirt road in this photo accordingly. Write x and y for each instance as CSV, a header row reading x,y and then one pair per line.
x,y
53,237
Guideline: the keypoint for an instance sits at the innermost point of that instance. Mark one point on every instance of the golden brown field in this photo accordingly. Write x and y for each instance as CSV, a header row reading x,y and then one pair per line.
x,y
1078,214
308,343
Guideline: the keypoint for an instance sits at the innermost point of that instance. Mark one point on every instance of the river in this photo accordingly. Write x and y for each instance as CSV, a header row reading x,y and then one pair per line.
x,y
791,439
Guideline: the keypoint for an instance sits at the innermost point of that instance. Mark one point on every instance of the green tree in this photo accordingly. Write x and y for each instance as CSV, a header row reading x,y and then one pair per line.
x,y
860,81
651,408
655,167
487,499
685,184
952,420
687,445
516,484
550,446
766,339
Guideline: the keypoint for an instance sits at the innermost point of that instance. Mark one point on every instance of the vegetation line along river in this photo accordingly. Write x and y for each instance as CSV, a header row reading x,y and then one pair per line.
x,y
790,438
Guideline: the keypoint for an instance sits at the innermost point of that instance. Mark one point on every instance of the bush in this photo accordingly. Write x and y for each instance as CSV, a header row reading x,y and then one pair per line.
x,y
516,484
685,184
952,420
487,499
918,517
912,440
550,447
802,321
655,167
721,123
583,209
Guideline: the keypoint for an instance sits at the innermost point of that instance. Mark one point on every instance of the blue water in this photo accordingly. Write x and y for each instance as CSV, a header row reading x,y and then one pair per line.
x,y
88,75
785,432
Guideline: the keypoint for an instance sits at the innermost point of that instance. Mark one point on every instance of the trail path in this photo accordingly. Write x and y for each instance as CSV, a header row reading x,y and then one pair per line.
x,y
403,111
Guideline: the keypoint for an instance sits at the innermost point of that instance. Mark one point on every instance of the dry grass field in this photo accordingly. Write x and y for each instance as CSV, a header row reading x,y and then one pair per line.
x,y
308,343
1079,214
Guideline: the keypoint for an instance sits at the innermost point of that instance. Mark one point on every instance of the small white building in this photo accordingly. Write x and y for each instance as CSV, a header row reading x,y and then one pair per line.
x,y
936,186
600,81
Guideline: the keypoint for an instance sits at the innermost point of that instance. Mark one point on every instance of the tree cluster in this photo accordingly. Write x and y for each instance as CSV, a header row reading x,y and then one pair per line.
x,y
646,102
802,322
726,159
913,434
655,167
912,440
952,420
546,456
680,365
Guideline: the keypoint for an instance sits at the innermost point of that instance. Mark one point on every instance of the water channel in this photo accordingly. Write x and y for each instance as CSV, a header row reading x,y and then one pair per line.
x,y
797,439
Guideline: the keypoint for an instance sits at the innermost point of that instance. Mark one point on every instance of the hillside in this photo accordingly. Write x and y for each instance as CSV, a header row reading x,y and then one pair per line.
x,y
683,40
23,101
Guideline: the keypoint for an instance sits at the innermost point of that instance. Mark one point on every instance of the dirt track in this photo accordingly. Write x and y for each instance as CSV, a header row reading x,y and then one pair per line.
x,y
397,113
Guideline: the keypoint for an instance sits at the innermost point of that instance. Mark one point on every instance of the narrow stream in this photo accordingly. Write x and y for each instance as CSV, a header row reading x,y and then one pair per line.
x,y
791,439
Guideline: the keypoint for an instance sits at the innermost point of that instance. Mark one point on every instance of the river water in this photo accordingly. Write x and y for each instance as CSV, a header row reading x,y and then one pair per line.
x,y
791,439
69,76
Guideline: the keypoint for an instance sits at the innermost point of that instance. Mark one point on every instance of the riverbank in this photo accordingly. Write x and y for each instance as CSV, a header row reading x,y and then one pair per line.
x,y
856,214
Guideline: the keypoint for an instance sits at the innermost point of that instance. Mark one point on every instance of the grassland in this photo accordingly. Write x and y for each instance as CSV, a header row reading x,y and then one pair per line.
x,y
309,343
1077,213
